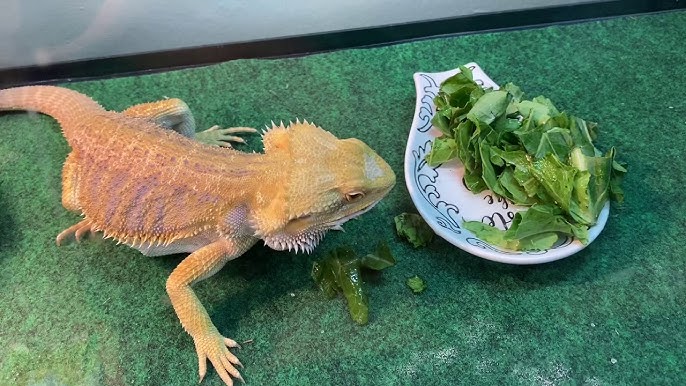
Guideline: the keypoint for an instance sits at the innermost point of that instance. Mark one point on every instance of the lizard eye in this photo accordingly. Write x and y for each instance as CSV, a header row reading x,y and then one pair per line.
x,y
353,196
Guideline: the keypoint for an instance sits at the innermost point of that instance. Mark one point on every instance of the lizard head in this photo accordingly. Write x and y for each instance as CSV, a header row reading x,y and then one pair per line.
x,y
328,181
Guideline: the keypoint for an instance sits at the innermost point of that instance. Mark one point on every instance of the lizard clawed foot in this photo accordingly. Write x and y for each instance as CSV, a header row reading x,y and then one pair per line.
x,y
77,230
216,348
215,136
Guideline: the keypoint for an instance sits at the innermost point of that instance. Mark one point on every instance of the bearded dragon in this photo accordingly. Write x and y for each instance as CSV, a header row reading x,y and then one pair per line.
x,y
145,179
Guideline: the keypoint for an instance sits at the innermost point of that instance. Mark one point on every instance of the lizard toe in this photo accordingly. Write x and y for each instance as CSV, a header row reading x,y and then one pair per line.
x,y
224,362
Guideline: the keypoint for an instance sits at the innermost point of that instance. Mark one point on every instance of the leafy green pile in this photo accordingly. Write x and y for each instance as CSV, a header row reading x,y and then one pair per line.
x,y
528,152
340,271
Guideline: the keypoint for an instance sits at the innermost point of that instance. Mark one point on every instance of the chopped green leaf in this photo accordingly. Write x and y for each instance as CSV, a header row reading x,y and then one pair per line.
x,y
514,189
616,192
324,278
537,228
466,72
487,170
475,183
442,122
412,227
605,176
515,91
442,150
557,179
340,271
416,284
380,259
538,242
489,107
347,273
556,141
543,219
581,136
538,113
491,234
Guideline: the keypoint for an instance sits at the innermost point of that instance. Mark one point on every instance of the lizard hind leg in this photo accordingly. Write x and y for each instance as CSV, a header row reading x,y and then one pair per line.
x,y
173,114
77,231
70,201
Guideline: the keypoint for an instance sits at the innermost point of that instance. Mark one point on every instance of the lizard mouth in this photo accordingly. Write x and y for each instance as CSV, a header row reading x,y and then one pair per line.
x,y
337,225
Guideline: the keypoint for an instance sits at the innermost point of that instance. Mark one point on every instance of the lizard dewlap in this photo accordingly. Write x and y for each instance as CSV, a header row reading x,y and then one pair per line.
x,y
144,178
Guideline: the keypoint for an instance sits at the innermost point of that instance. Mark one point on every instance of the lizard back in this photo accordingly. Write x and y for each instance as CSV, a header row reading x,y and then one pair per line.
x,y
143,183
135,180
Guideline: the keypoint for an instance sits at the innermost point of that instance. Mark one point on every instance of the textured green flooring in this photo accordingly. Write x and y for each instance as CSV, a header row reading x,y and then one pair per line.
x,y
97,313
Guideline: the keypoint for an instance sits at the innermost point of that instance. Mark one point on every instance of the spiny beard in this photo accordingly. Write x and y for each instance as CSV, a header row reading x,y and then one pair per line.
x,y
304,242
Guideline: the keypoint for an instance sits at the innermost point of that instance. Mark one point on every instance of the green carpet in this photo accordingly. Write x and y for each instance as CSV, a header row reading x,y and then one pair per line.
x,y
97,313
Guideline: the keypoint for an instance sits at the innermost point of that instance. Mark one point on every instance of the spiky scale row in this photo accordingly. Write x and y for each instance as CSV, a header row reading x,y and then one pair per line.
x,y
305,242
268,128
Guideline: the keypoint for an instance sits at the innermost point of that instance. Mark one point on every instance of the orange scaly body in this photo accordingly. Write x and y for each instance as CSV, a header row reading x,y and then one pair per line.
x,y
145,178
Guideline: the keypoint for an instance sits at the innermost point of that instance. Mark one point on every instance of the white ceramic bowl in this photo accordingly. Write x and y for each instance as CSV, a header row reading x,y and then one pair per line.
x,y
444,202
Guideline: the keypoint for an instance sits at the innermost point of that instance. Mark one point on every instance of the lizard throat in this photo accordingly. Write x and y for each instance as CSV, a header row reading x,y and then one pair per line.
x,y
308,239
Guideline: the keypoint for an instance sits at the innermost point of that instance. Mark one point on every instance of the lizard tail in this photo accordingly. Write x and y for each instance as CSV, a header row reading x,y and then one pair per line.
x,y
65,105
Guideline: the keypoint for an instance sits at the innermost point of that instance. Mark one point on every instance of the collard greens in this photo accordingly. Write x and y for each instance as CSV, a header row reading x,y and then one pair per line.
x,y
528,152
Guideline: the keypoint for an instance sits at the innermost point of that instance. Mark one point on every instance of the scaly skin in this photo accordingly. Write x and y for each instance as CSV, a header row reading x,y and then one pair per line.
x,y
144,178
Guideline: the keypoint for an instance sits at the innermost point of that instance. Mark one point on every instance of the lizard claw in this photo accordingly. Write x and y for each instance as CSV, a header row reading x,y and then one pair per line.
x,y
215,136
216,348
77,231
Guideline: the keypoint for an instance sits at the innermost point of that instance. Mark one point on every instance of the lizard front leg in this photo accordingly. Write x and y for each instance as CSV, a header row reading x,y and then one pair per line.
x,y
209,343
174,114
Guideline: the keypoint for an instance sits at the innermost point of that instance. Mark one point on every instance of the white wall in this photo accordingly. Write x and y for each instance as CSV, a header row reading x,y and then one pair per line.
x,y
50,31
